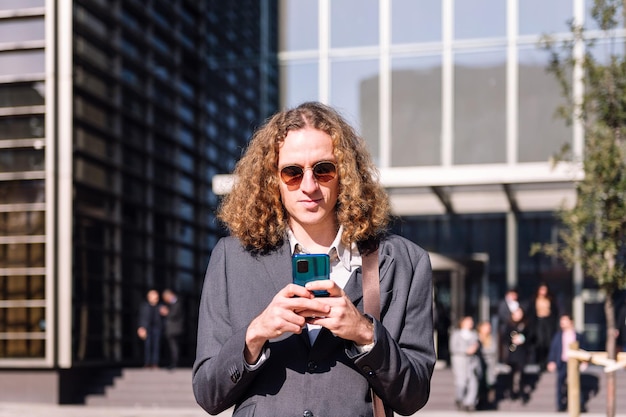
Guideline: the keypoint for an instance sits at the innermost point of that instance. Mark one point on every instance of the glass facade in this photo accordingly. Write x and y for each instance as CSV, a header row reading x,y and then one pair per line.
x,y
440,98
22,183
459,93
164,95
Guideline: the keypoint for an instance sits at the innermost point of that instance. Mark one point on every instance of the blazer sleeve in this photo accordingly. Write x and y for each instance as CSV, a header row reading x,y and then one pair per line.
x,y
220,375
399,367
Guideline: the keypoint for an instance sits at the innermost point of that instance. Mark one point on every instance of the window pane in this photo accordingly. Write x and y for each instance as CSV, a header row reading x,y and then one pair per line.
x,y
21,4
21,287
298,25
21,159
553,17
362,29
21,348
22,255
480,108
541,134
22,223
21,30
21,127
415,21
22,62
28,94
416,111
354,92
468,12
20,192
298,83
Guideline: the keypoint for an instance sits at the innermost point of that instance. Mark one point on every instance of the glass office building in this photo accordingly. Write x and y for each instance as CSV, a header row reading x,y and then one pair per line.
x,y
114,117
454,99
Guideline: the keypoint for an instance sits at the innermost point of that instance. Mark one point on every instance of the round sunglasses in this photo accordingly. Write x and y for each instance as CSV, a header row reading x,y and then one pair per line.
x,y
323,171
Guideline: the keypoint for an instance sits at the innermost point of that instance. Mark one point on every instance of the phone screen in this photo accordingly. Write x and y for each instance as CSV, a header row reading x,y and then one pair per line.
x,y
310,267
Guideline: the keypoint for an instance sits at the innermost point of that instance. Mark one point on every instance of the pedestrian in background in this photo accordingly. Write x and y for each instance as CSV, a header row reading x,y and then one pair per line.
x,y
557,358
466,364
488,354
517,353
150,328
506,307
173,313
543,322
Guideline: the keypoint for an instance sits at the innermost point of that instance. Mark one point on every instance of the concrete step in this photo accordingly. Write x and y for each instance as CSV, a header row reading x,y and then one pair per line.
x,y
541,393
163,388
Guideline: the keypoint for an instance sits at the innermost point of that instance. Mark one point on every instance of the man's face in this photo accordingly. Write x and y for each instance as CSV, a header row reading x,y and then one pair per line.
x,y
566,323
153,297
310,204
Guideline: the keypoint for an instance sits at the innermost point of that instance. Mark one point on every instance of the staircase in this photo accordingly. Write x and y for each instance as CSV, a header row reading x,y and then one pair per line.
x,y
139,387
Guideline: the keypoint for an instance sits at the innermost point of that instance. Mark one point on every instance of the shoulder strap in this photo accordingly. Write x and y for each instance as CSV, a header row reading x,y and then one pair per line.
x,y
371,285
371,306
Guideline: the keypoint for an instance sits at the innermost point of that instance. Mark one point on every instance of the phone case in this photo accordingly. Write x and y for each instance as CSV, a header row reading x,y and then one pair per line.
x,y
310,267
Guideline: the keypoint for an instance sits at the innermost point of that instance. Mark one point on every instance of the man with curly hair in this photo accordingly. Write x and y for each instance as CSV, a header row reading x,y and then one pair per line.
x,y
268,347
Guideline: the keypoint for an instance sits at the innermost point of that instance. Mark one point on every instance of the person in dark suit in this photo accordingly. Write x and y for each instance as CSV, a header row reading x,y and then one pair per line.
x,y
269,347
557,357
150,328
174,323
506,307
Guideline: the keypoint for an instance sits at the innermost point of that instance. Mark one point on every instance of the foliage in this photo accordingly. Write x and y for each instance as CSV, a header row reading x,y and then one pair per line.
x,y
593,231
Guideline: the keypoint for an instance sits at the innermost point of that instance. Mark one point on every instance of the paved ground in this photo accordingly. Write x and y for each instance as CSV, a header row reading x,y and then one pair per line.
x,y
38,410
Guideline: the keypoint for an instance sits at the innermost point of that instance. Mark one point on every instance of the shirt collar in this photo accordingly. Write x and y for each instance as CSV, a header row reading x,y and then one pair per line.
x,y
337,251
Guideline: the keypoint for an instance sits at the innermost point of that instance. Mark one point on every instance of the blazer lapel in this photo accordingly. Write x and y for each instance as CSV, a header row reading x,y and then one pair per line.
x,y
278,267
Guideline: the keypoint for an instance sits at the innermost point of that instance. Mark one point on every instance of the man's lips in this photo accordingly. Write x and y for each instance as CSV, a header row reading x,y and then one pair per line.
x,y
309,203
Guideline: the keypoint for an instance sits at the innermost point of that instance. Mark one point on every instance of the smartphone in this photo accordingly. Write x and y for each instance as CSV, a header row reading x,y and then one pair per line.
x,y
306,267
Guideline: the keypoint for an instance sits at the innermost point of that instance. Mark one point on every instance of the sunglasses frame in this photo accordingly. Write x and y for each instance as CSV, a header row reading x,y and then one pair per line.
x,y
297,179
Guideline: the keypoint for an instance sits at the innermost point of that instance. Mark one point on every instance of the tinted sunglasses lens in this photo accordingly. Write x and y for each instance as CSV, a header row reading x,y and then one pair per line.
x,y
324,171
291,175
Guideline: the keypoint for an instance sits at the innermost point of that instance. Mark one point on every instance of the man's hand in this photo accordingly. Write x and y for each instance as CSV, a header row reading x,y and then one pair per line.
x,y
142,333
286,313
343,319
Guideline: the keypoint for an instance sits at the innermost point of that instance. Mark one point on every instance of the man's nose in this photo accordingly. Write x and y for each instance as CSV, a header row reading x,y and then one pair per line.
x,y
309,183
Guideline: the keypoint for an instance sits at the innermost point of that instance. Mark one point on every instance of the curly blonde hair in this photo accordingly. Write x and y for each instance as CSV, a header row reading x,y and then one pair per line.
x,y
253,210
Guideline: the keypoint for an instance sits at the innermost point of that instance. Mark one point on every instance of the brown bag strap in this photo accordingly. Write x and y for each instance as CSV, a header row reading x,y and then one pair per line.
x,y
371,306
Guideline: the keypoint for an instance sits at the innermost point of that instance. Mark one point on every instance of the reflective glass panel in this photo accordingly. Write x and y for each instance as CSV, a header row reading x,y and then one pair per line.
x,y
21,127
353,23
22,348
21,30
27,94
22,191
541,134
553,17
21,4
416,111
22,255
479,19
22,223
22,287
354,92
298,25
298,83
21,159
480,108
415,21
22,62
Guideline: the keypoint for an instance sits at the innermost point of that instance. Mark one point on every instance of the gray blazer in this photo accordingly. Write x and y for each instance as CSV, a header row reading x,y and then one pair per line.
x,y
332,378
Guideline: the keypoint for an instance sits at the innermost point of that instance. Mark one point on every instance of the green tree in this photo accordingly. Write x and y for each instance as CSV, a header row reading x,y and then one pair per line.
x,y
593,231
